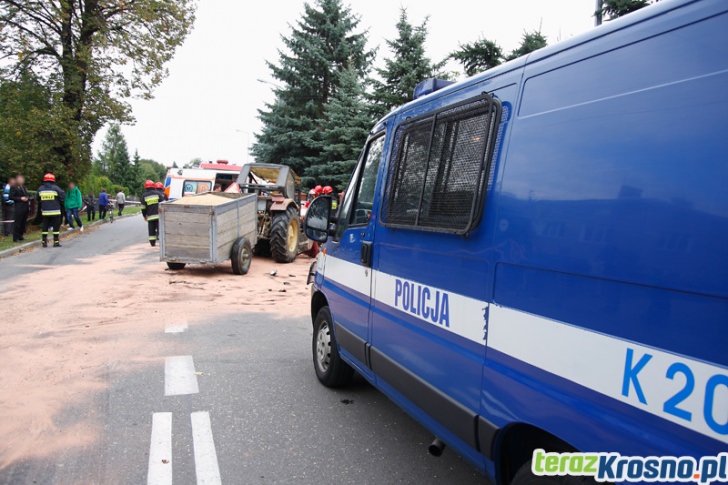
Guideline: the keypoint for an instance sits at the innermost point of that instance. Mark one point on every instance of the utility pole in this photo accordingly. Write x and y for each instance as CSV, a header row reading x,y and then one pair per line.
x,y
598,13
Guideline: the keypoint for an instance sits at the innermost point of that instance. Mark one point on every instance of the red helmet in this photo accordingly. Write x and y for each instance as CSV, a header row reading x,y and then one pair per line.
x,y
49,177
328,190
318,189
159,185
149,184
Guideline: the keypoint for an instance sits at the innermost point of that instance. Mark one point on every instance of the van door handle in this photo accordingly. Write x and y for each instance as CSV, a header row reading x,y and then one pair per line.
x,y
366,254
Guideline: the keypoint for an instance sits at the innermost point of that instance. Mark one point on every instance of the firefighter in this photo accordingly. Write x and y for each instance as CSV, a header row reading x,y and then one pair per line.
x,y
328,190
160,188
150,210
50,199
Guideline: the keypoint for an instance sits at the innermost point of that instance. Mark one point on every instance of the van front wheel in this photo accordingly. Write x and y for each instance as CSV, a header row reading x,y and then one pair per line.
x,y
331,370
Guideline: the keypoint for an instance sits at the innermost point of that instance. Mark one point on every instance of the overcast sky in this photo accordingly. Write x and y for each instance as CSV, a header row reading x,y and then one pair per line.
x,y
208,106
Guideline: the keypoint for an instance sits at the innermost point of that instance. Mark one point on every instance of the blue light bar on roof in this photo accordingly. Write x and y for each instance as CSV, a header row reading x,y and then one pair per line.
x,y
429,86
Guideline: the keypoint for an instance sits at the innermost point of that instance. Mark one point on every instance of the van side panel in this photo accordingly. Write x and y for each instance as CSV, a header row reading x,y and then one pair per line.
x,y
614,202
429,302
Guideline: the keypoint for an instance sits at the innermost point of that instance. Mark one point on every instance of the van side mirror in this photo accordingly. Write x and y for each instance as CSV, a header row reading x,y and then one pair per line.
x,y
318,219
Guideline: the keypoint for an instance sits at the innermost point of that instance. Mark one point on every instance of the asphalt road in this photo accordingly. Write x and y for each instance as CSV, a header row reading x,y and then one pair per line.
x,y
250,412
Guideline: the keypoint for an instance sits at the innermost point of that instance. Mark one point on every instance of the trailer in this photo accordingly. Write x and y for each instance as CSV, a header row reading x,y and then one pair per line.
x,y
209,229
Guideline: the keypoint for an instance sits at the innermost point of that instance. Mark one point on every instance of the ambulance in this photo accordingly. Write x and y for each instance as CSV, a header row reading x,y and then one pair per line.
x,y
533,262
183,182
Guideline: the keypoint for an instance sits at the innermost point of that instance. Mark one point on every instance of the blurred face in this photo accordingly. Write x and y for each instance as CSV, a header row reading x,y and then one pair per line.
x,y
71,186
20,180
11,181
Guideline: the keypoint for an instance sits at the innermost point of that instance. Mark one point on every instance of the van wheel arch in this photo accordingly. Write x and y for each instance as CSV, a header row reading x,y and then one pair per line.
x,y
515,444
318,301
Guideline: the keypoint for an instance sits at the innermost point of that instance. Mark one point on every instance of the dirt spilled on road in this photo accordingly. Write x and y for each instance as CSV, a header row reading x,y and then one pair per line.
x,y
66,328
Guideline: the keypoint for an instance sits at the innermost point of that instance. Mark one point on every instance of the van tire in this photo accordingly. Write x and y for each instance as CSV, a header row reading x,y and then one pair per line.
x,y
176,266
331,369
284,235
525,476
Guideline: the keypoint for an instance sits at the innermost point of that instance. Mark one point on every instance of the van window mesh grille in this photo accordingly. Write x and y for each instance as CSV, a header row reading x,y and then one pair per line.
x,y
437,178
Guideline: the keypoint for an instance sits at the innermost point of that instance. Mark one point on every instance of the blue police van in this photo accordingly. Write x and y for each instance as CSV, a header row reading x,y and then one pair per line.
x,y
537,257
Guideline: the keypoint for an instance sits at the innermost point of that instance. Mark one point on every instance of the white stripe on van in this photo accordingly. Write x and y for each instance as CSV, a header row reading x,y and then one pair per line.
x,y
683,390
463,316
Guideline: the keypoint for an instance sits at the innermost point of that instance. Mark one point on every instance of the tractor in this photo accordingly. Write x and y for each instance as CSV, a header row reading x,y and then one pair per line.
x,y
280,232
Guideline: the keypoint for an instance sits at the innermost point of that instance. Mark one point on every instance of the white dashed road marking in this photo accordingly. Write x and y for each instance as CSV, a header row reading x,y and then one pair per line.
x,y
179,376
160,450
176,327
206,467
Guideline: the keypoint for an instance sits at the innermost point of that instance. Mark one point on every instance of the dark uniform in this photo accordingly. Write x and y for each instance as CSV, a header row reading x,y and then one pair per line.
x,y
150,210
17,193
51,198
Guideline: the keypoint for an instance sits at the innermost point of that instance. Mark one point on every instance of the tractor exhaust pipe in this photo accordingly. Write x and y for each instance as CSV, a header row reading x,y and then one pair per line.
x,y
436,448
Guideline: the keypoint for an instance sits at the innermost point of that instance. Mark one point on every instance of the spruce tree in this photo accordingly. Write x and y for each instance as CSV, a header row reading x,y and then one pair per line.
x,y
346,127
478,56
113,159
408,66
322,44
530,42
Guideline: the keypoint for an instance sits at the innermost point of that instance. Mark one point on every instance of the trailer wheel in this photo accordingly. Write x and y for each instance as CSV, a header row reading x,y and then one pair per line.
x,y
241,256
176,266
284,236
330,368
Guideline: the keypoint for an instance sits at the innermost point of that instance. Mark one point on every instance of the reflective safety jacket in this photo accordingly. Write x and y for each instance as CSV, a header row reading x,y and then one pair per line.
x,y
150,204
51,199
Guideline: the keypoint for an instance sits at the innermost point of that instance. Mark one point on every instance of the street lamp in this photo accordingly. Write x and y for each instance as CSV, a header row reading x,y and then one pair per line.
x,y
247,144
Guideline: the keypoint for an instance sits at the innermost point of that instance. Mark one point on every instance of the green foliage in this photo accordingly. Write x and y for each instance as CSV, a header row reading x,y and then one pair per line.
x,y
321,45
345,130
531,41
478,56
613,9
113,159
94,183
194,163
32,126
150,170
484,54
405,69
91,55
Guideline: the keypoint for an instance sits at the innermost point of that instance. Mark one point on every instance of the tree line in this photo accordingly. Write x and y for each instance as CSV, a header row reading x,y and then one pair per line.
x,y
69,67
328,93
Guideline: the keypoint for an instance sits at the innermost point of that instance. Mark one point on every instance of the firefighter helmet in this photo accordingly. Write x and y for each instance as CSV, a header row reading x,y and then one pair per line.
x,y
149,184
159,185
328,190
49,177
317,190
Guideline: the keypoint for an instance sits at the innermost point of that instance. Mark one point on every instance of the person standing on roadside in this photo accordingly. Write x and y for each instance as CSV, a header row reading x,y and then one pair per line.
x,y
8,209
120,201
21,203
74,203
90,202
150,210
51,199
160,187
103,204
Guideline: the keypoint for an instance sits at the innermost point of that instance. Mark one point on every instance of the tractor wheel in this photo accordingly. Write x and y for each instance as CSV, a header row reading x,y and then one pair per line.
x,y
241,256
284,236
